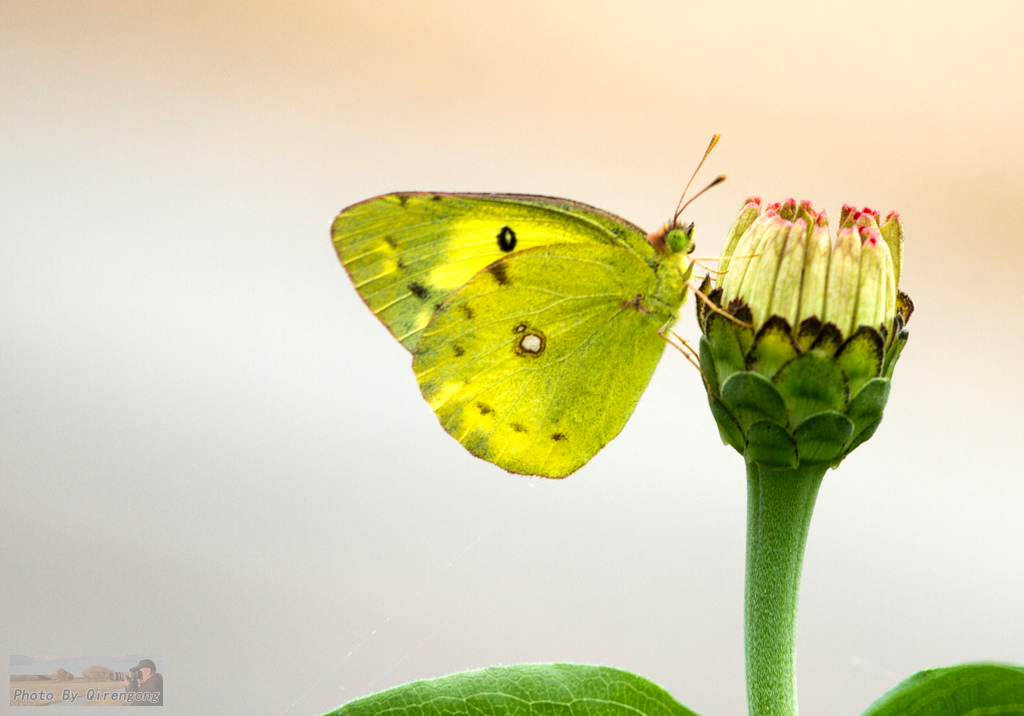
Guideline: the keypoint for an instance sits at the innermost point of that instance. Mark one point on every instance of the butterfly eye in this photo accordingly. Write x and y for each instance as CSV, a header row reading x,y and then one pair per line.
x,y
680,240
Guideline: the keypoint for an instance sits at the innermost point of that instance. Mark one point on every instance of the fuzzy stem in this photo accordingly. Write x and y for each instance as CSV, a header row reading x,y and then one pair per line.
x,y
779,507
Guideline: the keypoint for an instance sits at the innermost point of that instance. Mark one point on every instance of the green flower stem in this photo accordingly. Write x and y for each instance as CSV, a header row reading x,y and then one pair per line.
x,y
779,507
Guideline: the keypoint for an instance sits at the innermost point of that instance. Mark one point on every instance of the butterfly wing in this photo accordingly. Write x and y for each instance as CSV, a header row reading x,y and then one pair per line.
x,y
538,361
407,252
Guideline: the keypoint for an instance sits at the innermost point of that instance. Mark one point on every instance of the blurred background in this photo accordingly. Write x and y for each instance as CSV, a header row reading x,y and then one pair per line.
x,y
213,454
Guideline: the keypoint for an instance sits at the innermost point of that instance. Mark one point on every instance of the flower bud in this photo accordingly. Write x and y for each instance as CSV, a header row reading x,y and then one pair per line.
x,y
800,373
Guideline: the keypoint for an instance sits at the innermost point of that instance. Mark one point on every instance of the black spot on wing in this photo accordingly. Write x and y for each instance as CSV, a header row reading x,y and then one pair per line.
x,y
506,239
498,270
418,290
400,264
637,304
518,428
558,437
458,350
403,199
484,408
390,241
467,311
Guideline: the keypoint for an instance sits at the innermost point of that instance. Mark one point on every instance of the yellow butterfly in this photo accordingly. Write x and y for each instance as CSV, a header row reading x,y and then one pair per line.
x,y
535,323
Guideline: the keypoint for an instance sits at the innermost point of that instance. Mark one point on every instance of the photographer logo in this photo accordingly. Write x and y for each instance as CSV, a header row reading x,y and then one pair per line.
x,y
91,680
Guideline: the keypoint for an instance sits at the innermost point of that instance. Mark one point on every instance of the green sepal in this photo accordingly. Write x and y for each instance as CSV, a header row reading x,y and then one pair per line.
x,y
707,364
828,341
865,410
893,354
822,437
523,690
904,307
773,347
725,345
770,445
713,295
861,357
807,332
993,689
867,406
728,427
811,384
863,435
744,334
752,397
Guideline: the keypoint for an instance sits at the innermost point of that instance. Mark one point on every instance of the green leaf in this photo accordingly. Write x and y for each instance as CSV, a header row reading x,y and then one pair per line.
x,y
526,689
967,689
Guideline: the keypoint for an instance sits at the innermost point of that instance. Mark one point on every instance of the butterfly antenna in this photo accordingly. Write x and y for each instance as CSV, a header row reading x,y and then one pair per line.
x,y
718,180
680,206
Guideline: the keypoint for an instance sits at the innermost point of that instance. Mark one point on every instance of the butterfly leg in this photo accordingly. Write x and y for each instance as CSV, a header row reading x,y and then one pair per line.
x,y
711,304
689,354
700,262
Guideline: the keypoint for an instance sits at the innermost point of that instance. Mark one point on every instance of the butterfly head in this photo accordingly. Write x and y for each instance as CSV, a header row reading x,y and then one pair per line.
x,y
679,239
673,238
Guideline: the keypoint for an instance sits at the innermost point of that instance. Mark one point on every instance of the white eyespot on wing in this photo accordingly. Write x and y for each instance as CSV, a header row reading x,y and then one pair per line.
x,y
531,344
